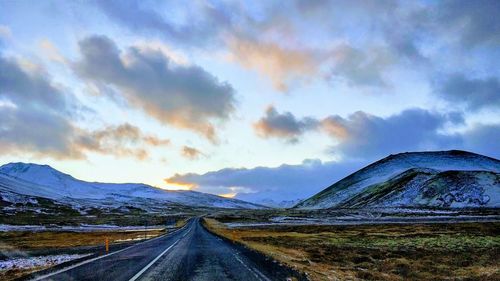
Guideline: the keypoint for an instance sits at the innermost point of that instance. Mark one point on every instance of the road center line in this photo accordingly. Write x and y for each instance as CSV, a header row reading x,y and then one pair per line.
x,y
152,262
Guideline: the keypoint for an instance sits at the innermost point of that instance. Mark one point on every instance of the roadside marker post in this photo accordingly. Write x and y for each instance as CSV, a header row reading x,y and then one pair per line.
x,y
107,245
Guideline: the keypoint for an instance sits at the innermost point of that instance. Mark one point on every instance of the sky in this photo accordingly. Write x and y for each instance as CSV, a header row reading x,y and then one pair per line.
x,y
257,100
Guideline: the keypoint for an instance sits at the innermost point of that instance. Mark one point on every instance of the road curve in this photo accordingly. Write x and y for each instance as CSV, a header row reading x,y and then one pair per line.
x,y
191,253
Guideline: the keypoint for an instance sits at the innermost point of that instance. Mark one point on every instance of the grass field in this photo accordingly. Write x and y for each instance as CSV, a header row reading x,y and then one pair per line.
x,y
464,251
23,240
28,242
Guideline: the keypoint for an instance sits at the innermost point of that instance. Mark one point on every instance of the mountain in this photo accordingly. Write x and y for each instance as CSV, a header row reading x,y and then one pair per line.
x,y
25,179
278,203
443,179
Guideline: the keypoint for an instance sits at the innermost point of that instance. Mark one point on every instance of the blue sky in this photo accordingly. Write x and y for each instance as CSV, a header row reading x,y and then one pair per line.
x,y
257,99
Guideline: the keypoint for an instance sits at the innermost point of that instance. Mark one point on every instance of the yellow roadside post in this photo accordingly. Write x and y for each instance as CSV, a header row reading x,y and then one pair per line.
x,y
107,245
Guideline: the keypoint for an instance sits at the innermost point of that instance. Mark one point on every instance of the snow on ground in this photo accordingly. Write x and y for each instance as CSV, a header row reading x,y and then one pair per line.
x,y
80,228
8,227
362,219
136,239
381,216
40,261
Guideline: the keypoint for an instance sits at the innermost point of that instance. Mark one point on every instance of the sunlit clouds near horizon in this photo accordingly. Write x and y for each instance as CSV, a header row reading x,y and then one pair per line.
x,y
256,100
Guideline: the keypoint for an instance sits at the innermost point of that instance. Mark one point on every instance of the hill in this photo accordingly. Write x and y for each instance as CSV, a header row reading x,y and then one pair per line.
x,y
442,179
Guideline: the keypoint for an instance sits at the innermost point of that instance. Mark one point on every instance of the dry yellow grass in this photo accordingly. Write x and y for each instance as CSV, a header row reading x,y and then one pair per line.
x,y
180,223
7,275
379,252
48,239
26,241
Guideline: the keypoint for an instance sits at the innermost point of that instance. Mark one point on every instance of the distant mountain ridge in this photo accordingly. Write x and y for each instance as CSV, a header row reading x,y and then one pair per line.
x,y
44,181
278,204
446,179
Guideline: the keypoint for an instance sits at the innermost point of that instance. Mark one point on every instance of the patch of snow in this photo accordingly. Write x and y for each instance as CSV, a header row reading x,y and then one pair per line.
x,y
361,220
142,237
8,227
81,228
40,261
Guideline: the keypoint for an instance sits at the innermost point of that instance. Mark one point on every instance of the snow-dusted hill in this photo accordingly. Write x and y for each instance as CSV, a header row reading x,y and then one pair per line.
x,y
22,179
450,179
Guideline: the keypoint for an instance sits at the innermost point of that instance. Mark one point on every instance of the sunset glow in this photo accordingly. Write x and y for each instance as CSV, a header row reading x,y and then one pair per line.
x,y
278,98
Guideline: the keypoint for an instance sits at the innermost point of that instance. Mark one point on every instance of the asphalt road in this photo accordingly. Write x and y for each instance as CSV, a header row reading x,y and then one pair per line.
x,y
191,253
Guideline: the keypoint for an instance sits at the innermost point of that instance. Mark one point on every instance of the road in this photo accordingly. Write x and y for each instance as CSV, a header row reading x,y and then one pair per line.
x,y
191,253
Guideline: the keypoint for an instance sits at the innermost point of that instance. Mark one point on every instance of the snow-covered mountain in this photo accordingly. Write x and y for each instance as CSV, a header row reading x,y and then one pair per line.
x,y
449,179
278,204
44,181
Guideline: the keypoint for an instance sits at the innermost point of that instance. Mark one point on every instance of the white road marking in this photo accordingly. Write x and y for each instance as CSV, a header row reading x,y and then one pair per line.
x,y
255,272
152,262
259,275
138,274
100,257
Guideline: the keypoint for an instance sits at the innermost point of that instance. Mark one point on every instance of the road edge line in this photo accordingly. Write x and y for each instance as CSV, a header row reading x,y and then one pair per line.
x,y
100,257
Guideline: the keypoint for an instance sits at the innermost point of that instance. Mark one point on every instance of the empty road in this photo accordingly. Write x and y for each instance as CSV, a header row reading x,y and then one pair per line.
x,y
191,253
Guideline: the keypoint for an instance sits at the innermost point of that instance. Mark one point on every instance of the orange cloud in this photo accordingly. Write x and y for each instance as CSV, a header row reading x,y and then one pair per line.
x,y
124,140
181,95
51,51
283,125
228,195
179,185
279,64
191,152
333,126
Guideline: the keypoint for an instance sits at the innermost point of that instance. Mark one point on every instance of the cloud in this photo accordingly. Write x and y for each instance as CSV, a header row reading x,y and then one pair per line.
x,y
182,96
286,182
366,136
191,152
36,117
35,112
35,132
362,135
361,138
483,139
334,126
295,41
283,125
360,67
473,93
283,66
270,43
475,22
30,86
198,26
51,51
287,67
123,140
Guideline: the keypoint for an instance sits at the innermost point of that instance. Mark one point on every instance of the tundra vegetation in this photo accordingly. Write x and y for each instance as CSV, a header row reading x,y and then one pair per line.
x,y
438,251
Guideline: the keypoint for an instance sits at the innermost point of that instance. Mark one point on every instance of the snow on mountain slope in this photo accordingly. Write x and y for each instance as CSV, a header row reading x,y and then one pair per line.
x,y
403,178
44,181
278,204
